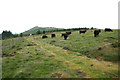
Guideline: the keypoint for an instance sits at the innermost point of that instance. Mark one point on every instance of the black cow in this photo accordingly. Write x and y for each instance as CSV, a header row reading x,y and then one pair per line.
x,y
52,35
68,33
65,35
108,29
96,32
44,36
82,31
99,30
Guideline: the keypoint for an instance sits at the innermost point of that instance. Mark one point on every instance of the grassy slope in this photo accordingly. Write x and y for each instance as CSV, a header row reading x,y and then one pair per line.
x,y
42,60
95,47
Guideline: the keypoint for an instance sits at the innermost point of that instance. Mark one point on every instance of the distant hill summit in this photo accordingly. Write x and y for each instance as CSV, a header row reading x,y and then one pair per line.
x,y
36,28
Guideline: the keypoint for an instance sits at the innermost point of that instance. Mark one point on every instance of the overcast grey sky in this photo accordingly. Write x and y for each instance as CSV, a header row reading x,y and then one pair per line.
x,y
20,15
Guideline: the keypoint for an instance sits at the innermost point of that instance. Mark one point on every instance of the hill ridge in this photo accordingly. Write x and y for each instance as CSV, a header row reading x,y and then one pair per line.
x,y
36,28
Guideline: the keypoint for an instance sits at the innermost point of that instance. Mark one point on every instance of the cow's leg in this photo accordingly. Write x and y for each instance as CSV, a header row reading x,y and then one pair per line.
x,y
65,37
94,35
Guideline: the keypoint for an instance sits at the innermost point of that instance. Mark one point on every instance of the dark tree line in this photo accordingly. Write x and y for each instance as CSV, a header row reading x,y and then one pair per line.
x,y
7,34
57,30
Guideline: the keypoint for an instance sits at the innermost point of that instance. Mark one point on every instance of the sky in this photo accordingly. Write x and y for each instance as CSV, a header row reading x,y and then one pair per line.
x,y
21,15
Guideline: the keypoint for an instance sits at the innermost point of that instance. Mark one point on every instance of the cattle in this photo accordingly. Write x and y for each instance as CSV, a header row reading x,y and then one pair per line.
x,y
82,31
52,35
108,30
44,36
65,36
30,34
96,32
68,33
99,30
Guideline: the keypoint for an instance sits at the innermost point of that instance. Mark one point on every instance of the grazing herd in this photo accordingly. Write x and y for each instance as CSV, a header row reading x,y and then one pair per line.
x,y
65,35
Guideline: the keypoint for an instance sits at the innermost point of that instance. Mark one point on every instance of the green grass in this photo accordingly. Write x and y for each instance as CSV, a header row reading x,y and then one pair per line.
x,y
10,46
89,45
45,58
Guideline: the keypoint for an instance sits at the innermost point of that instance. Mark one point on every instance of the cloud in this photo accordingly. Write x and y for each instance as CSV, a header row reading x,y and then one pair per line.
x,y
21,15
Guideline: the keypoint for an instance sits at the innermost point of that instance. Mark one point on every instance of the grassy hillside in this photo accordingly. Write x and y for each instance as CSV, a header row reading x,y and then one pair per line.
x,y
105,46
81,56
34,29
